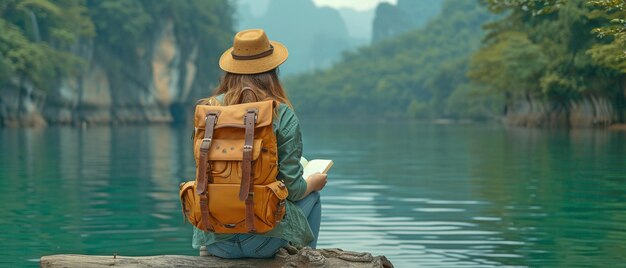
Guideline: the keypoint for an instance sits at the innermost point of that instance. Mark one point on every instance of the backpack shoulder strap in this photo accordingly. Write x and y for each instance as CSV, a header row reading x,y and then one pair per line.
x,y
246,190
211,101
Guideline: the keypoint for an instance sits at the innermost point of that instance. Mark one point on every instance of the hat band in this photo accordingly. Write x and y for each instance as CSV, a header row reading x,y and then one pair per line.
x,y
255,56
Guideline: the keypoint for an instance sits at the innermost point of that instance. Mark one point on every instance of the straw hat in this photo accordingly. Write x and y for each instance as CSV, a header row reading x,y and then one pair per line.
x,y
252,53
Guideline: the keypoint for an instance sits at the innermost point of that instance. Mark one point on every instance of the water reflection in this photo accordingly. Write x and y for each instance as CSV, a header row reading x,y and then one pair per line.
x,y
561,193
477,195
420,194
95,191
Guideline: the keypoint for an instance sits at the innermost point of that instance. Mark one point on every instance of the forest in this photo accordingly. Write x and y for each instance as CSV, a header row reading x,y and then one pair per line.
x,y
480,59
531,62
412,74
39,37
118,61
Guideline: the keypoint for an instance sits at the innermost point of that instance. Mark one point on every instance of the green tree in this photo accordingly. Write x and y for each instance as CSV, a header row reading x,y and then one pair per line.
x,y
36,36
411,74
612,53
540,50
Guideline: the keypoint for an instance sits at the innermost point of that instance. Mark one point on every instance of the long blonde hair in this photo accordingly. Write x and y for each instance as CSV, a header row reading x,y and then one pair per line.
x,y
243,88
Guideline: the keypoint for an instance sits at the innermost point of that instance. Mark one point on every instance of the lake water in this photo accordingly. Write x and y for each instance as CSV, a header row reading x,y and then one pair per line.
x,y
421,194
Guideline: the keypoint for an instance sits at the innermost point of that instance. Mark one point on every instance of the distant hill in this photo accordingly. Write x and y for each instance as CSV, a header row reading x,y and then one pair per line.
x,y
421,73
315,36
251,8
359,23
406,15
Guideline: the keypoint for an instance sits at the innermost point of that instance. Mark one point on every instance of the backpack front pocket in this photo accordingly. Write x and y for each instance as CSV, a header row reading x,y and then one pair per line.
x,y
190,203
228,213
271,200
226,209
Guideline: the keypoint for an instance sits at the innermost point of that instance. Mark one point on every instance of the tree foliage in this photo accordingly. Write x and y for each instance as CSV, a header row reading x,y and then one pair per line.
x,y
545,49
40,39
529,7
35,38
412,74
611,54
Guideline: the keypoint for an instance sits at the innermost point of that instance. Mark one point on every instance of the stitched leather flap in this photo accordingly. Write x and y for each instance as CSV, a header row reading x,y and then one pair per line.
x,y
232,150
187,196
232,115
279,189
185,186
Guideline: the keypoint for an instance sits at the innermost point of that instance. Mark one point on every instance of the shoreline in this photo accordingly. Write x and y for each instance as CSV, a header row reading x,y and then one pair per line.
x,y
383,121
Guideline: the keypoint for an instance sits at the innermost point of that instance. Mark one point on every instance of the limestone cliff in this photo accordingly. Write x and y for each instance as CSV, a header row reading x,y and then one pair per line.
x,y
157,84
587,112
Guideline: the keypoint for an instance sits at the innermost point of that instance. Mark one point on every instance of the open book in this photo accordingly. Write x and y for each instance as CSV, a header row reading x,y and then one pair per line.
x,y
317,165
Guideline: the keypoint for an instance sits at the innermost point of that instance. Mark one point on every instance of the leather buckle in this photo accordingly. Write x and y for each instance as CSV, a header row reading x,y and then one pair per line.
x,y
247,148
252,111
212,113
205,145
206,118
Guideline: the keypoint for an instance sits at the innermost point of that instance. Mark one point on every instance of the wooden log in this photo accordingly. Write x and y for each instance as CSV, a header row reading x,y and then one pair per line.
x,y
306,257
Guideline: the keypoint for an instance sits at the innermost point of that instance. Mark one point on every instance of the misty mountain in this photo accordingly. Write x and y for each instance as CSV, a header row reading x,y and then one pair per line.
x,y
406,15
359,23
251,8
315,36
420,73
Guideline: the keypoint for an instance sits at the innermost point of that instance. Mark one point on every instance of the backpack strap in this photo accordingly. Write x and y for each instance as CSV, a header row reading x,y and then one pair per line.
x,y
246,190
204,175
212,101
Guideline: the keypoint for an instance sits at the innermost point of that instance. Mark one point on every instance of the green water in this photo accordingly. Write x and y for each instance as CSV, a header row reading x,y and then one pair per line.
x,y
431,195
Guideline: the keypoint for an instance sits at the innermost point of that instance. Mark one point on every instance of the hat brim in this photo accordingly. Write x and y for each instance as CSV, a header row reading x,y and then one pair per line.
x,y
260,65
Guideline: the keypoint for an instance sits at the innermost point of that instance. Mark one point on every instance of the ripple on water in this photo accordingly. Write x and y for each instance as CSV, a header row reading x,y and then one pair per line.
x,y
432,196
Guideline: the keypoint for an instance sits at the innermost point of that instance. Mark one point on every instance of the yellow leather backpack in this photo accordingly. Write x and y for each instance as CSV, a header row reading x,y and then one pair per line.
x,y
235,190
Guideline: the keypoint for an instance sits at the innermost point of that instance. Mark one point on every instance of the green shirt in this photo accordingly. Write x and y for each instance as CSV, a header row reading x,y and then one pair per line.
x,y
294,227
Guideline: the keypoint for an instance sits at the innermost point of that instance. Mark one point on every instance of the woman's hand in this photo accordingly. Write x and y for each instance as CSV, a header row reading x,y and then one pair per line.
x,y
318,180
315,182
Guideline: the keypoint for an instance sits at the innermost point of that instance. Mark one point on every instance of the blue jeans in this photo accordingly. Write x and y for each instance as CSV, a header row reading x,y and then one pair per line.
x,y
256,246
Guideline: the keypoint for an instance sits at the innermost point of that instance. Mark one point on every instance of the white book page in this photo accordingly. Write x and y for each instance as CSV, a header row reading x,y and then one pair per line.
x,y
313,166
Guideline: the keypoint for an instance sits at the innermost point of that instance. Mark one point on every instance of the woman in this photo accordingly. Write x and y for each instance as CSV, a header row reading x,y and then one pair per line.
x,y
252,63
